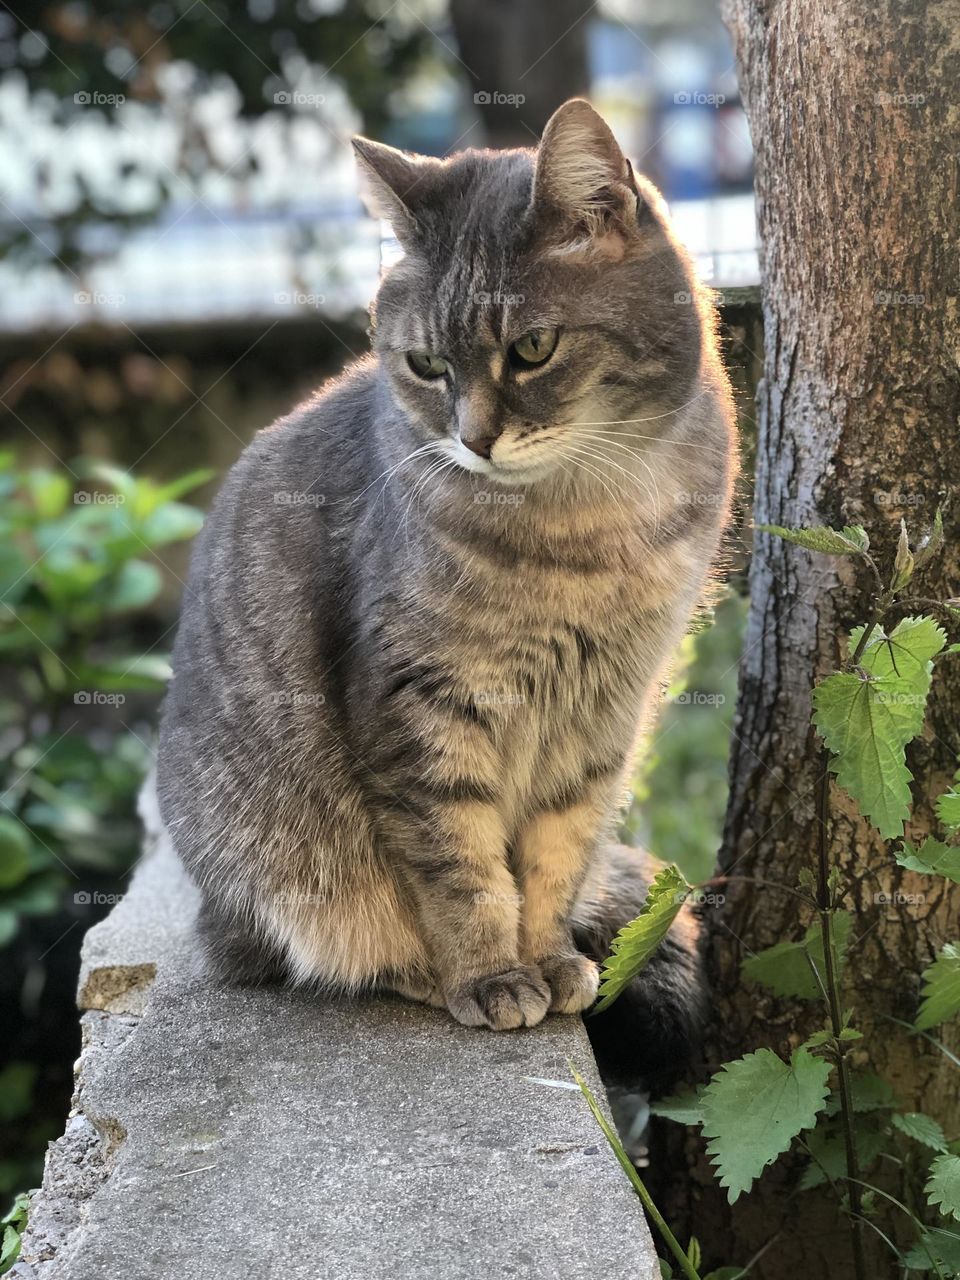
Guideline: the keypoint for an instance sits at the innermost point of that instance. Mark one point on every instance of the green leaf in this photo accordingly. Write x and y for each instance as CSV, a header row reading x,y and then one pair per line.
x,y
829,1151
15,846
8,926
943,1186
921,1128
636,942
943,1244
666,1271
851,540
16,1089
170,523
135,585
122,482
933,858
185,483
868,1092
932,543
867,719
685,1108
630,1169
17,1214
941,988
754,1108
49,491
14,574
948,809
9,1248
785,967
903,565
693,1252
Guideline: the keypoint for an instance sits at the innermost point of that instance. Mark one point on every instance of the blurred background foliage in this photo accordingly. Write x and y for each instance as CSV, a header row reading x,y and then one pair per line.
x,y
182,258
680,789
79,680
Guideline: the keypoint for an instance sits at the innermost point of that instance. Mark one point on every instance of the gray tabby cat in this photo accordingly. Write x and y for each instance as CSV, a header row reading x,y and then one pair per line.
x,y
431,607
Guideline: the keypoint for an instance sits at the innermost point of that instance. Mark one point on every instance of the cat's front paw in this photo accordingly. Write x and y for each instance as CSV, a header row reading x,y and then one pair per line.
x,y
573,981
502,1001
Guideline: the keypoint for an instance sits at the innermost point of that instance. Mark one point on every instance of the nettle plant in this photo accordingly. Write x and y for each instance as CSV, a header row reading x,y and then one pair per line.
x,y
755,1109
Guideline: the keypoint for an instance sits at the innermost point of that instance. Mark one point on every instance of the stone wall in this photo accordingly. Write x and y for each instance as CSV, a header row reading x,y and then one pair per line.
x,y
233,1132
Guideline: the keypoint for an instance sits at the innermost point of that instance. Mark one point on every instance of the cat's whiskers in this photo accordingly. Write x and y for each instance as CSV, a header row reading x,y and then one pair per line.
x,y
662,440
432,470
599,438
577,458
669,413
603,460
431,445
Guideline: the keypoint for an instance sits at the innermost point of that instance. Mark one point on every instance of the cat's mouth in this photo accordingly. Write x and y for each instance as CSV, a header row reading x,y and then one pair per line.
x,y
502,469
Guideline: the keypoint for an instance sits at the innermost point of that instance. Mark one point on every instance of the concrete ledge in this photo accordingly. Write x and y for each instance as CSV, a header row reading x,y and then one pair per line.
x,y
233,1133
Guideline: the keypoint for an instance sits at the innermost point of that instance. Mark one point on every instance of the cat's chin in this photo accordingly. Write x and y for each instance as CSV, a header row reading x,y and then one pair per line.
x,y
499,472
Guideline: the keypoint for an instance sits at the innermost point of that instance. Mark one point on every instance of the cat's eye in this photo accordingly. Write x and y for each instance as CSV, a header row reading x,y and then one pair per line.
x,y
426,365
534,347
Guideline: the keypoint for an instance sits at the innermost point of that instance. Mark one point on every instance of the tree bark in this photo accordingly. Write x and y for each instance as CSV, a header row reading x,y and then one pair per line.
x,y
854,114
524,58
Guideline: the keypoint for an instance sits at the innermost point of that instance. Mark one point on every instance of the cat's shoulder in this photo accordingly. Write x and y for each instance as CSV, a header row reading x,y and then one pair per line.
x,y
340,407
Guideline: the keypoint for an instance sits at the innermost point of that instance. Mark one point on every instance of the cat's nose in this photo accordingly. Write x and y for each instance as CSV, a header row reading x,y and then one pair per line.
x,y
478,420
479,444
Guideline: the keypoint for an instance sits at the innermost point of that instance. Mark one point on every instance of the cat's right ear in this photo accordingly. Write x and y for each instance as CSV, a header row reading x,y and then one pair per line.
x,y
584,190
393,184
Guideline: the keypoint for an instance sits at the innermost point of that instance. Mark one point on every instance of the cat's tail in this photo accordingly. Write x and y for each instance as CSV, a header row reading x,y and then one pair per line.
x,y
652,1031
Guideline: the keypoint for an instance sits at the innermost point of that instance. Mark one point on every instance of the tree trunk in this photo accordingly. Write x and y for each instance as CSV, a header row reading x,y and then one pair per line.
x,y
524,58
855,124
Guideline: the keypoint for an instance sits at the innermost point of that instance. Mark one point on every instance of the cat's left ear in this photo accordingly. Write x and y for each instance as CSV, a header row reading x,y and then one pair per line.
x,y
584,187
395,184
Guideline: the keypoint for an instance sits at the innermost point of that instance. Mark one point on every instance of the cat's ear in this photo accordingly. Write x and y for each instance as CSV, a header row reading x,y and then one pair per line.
x,y
584,187
393,183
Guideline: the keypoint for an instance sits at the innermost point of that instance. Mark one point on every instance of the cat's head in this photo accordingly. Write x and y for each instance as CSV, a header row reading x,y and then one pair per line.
x,y
540,301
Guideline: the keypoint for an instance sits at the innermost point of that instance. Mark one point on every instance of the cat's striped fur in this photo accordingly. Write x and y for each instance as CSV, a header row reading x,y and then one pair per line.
x,y
427,617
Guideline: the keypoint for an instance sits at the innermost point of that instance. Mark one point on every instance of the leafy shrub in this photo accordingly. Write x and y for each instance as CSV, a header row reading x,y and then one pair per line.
x,y
680,789
78,575
76,565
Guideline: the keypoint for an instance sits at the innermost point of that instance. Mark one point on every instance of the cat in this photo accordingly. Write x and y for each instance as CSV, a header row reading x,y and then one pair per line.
x,y
431,609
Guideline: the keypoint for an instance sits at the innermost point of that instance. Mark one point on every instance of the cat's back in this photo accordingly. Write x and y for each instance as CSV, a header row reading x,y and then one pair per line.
x,y
261,600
